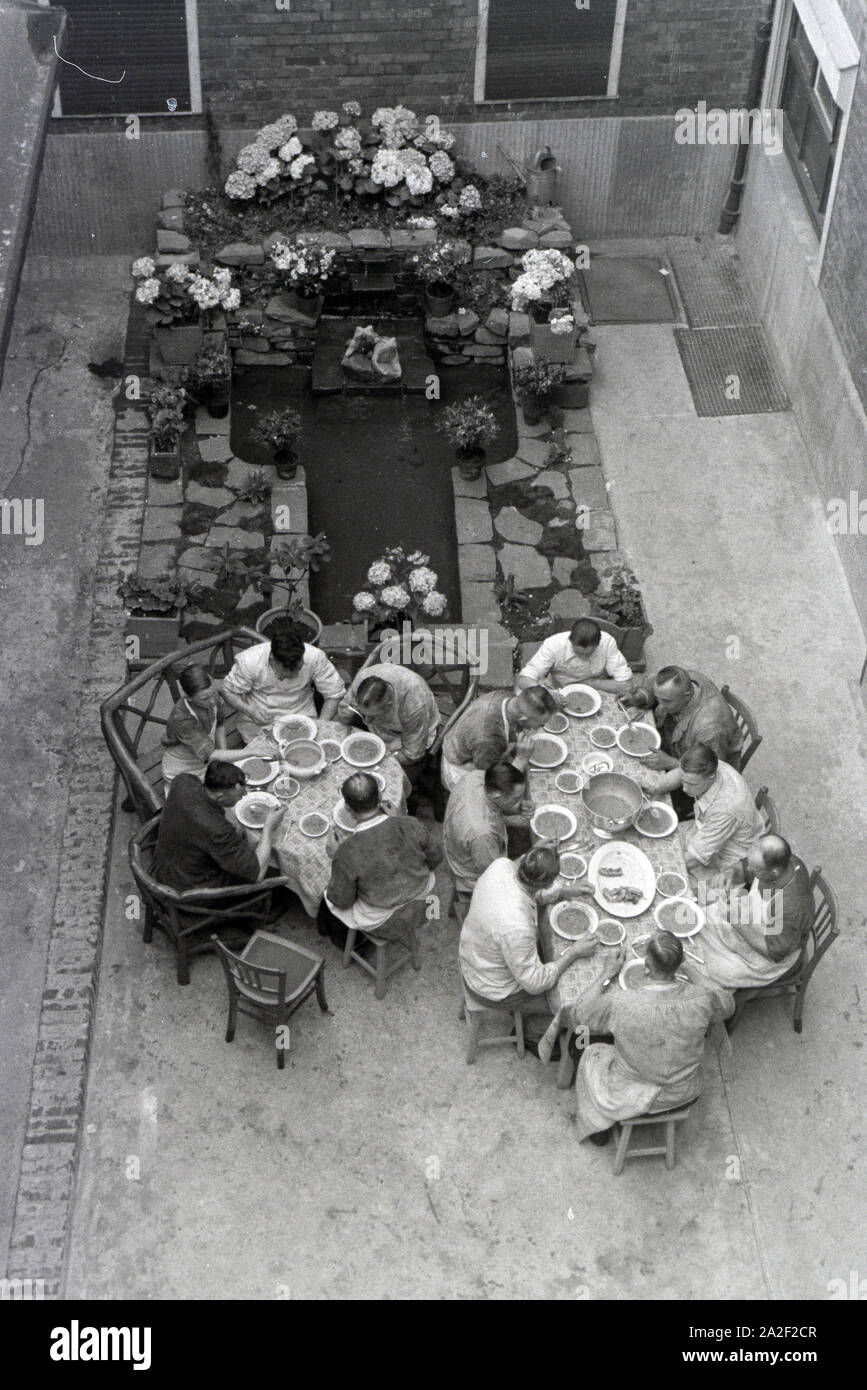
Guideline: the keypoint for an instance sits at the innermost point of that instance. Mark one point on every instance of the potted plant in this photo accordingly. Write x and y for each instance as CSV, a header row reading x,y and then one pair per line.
x,y
166,412
153,621
534,384
207,380
180,301
437,267
618,598
399,587
545,288
305,268
279,431
470,425
294,557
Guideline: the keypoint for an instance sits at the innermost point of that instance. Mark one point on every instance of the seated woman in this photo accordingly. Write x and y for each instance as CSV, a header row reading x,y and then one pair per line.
x,y
659,1031
195,733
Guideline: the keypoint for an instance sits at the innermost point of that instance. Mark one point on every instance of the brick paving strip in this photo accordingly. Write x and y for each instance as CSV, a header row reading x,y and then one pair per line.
x,y
43,1212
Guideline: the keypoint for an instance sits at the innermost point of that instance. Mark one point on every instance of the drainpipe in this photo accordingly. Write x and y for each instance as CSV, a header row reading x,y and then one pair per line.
x,y
732,210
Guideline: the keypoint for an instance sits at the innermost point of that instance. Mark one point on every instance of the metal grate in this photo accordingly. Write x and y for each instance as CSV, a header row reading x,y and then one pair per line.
x,y
730,371
711,287
627,289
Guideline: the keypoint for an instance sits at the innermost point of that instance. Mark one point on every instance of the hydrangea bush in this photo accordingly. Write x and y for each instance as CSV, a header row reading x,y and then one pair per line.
x,y
181,295
399,586
304,266
546,277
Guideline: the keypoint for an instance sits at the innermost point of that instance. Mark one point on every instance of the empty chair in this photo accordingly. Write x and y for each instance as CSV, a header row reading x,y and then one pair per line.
x,y
768,811
270,979
668,1119
399,933
823,931
747,727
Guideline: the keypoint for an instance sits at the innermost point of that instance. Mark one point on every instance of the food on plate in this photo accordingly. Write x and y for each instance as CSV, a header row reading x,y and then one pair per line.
x,y
610,933
286,786
677,916
670,884
557,724
603,736
552,825
578,701
364,749
256,814
573,920
546,753
622,895
570,782
331,748
255,768
652,819
595,765
637,738
303,754
314,823
572,865
290,729
611,873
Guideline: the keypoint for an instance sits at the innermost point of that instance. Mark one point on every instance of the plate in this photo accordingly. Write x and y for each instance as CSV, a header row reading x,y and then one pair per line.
x,y
332,748
594,763
286,786
638,945
609,926
665,812
290,727
564,816
264,777
362,750
557,724
603,736
342,816
649,735
595,700
632,974
541,745
572,865
677,891
689,908
247,804
573,933
314,824
563,778
636,872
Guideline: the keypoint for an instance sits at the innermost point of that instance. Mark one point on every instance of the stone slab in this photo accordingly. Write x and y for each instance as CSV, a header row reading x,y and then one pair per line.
x,y
161,524
491,258
454,359
164,494
510,471
517,239
445,327
468,487
562,566
588,487
600,532
476,563
205,579
489,339
468,322
472,520
156,561
209,496
172,219
174,198
570,604
236,538
531,431
240,511
531,570
170,240
482,352
479,604
203,559
584,450
419,236
522,357
245,358
163,259
259,344
519,329
206,424
498,322
333,241
556,481
215,449
368,239
289,508
241,253
577,421
534,451
512,525
558,238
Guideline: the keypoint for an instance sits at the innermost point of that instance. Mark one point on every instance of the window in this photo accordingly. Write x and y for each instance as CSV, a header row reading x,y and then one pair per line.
x,y
540,50
812,124
154,41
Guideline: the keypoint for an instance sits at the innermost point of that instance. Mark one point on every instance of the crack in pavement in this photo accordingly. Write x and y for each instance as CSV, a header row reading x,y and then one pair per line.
x,y
28,405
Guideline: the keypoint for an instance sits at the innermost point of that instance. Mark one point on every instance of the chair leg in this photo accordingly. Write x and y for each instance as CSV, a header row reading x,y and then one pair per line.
x,y
463,1013
233,1019
669,1144
320,991
474,1021
798,1018
281,1051
183,962
519,1033
381,977
414,948
349,947
622,1146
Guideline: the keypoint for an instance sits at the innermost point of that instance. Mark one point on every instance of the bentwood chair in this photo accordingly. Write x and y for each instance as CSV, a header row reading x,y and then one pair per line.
x,y
184,916
822,932
747,727
767,809
668,1119
270,979
399,931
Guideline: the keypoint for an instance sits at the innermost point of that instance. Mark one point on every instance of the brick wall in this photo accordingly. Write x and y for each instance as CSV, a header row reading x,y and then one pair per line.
x,y
257,60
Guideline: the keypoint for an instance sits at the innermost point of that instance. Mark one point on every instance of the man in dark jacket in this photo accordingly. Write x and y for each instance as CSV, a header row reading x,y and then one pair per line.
x,y
197,847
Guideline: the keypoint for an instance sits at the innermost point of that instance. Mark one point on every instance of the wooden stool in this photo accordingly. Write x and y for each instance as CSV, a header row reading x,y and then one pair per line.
x,y
474,1014
404,922
668,1118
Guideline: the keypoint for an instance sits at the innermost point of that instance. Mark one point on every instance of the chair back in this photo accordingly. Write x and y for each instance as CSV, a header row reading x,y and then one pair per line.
x,y
134,716
241,975
768,811
454,683
823,929
746,725
471,693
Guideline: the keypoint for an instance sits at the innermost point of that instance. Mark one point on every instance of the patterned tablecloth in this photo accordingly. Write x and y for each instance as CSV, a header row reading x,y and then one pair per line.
x,y
666,853
303,860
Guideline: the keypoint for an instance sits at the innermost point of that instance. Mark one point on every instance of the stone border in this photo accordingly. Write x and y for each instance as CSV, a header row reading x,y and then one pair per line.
x,y
46,1187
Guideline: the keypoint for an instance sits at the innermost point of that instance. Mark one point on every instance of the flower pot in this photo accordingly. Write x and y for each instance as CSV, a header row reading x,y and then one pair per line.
x,y
179,344
286,463
533,409
633,644
470,462
549,346
305,617
216,400
165,463
540,310
308,303
439,297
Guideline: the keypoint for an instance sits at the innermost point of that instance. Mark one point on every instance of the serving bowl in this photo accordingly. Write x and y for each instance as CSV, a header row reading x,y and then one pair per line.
x,y
299,758
612,801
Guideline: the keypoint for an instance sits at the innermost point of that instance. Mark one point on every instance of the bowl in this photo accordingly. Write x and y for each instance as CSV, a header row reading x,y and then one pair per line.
x,y
342,816
674,888
557,724
267,769
681,916
332,748
638,740
561,823
585,696
548,751
572,865
612,801
252,809
362,749
655,820
285,786
638,944
303,757
594,764
314,824
631,974
573,920
569,781
603,736
290,727
609,932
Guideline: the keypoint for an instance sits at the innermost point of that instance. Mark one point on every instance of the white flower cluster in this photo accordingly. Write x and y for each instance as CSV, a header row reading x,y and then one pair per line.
x,y
562,324
379,573
434,603
543,270
147,291
363,602
325,120
395,596
290,150
397,124
441,166
421,223
299,164
256,164
304,264
347,142
145,265
422,580
405,584
240,185
207,292
252,158
470,199
351,108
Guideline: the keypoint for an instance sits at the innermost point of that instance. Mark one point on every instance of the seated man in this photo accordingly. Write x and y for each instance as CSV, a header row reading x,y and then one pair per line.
x,y
687,708
585,654
279,677
754,934
659,1032
397,704
499,946
476,829
197,847
386,863
195,734
493,728
727,822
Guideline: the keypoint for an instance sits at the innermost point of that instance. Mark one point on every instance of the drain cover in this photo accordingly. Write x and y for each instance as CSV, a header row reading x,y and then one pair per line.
x,y
730,371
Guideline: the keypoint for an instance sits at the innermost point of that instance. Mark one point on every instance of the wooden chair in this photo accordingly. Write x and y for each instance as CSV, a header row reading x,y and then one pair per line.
x,y
184,916
747,727
475,1014
822,932
400,930
270,979
129,714
768,811
669,1119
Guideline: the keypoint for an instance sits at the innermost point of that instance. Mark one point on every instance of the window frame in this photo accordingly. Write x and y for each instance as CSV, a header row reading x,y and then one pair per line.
x,y
191,14
612,93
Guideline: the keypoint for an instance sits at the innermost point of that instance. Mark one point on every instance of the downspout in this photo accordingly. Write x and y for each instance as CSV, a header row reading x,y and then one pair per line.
x,y
732,210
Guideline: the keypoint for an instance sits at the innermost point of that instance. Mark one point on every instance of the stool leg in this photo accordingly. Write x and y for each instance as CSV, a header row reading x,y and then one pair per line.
x,y
474,1022
463,1013
622,1146
414,948
519,1033
381,980
669,1144
349,947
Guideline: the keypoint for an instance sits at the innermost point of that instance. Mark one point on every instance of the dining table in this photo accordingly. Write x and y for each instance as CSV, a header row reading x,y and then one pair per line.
x,y
664,853
304,859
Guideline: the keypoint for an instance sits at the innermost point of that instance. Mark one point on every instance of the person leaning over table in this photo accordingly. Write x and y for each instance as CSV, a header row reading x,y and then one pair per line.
x,y
658,1030
727,822
398,705
584,654
478,816
499,944
197,846
195,734
755,931
687,709
496,726
278,677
